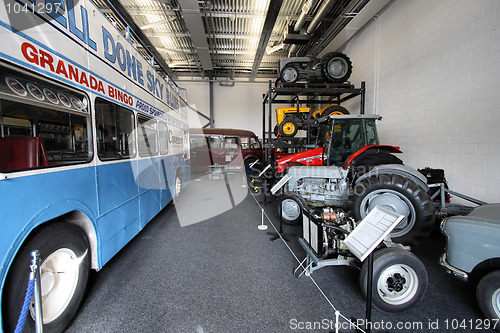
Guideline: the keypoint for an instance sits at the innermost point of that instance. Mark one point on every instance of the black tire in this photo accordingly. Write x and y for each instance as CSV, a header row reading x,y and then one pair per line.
x,y
292,205
488,296
336,67
401,195
59,240
333,110
289,74
177,186
288,127
275,130
399,280
370,159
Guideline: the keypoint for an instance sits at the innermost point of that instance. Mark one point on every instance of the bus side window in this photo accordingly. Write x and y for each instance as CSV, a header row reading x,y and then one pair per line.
x,y
147,136
62,137
163,132
115,126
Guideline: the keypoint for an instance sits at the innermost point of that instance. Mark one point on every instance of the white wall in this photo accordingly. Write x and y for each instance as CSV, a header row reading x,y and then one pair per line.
x,y
432,70
238,107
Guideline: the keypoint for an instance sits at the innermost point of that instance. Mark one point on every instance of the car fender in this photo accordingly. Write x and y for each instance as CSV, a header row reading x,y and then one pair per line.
x,y
471,240
397,169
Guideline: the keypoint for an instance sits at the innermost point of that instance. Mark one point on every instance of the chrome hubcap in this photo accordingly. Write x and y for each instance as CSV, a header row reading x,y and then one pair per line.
x,y
59,275
397,284
291,210
395,202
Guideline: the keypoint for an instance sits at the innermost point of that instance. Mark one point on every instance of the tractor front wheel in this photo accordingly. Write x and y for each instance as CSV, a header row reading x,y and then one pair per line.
x,y
399,280
288,128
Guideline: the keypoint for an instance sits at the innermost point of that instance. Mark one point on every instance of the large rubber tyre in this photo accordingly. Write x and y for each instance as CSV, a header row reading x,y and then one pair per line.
x,y
370,159
177,187
336,67
292,207
399,280
65,267
289,74
288,128
334,110
400,195
488,296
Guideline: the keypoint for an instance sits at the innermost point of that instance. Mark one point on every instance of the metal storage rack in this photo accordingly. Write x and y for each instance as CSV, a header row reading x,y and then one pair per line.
x,y
298,94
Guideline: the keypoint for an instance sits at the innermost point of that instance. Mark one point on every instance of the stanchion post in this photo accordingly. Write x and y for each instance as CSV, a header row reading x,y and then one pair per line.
x,y
280,232
35,274
262,226
369,293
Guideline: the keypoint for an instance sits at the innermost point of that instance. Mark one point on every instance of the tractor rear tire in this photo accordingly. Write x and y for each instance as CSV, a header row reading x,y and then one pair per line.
x,y
289,74
400,195
370,159
334,109
336,67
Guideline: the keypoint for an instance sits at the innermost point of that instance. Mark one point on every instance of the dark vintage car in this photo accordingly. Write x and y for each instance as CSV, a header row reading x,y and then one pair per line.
x,y
473,249
231,148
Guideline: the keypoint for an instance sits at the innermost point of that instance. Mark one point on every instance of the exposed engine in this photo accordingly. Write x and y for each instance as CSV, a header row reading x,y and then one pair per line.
x,y
320,186
334,225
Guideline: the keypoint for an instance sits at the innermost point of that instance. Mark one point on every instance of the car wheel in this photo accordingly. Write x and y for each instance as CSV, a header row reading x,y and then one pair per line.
x,y
399,280
64,272
488,296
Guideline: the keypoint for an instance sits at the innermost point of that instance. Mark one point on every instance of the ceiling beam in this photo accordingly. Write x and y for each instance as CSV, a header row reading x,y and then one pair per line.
x,y
272,15
365,15
122,12
214,13
194,23
119,10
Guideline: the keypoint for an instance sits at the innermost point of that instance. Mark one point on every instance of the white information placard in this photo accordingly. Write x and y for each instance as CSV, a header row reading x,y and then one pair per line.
x,y
305,228
371,231
280,184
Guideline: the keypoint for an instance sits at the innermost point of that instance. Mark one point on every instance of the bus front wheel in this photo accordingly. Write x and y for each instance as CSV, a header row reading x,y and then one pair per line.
x,y
64,270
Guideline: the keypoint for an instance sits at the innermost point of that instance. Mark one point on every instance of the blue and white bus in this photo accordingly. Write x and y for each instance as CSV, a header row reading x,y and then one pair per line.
x,y
93,144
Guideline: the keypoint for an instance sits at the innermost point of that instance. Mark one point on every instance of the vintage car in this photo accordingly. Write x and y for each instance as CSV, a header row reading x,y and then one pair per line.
x,y
232,148
473,249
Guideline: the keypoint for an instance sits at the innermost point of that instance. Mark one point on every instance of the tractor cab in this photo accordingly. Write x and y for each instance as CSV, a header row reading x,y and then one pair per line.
x,y
344,135
343,140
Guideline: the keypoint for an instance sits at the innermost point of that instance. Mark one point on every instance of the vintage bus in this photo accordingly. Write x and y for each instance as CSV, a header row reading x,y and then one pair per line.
x,y
93,144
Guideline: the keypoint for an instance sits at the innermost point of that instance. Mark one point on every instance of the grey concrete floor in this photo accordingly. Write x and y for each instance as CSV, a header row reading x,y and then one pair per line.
x,y
184,273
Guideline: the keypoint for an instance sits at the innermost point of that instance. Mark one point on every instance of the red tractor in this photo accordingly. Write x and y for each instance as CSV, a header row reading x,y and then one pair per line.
x,y
349,169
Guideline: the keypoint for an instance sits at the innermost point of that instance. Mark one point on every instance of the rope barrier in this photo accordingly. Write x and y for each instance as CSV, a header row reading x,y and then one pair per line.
x,y
338,314
25,309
